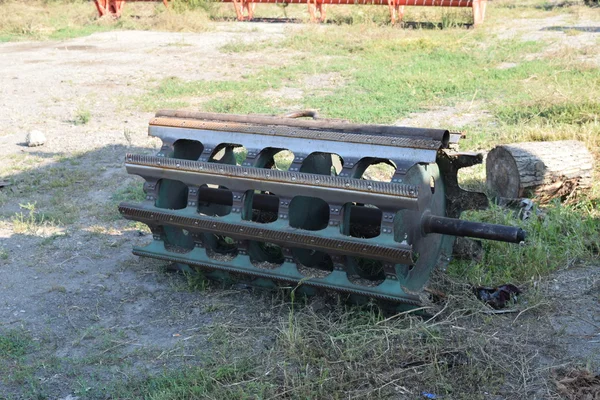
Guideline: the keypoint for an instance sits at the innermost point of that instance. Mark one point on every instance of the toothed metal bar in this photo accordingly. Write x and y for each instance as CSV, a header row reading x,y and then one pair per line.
x,y
388,290
325,240
329,188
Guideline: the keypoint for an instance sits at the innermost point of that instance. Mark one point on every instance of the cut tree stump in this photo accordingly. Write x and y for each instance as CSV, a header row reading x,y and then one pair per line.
x,y
544,169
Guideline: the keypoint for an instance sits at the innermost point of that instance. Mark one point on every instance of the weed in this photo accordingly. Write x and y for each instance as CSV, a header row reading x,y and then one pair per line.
x,y
29,222
211,308
131,192
127,133
196,280
58,288
14,344
61,210
244,47
82,116
184,5
3,197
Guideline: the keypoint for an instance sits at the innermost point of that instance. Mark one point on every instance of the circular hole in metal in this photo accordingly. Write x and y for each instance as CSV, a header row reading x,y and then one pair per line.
x,y
260,206
185,149
274,158
322,163
309,213
177,240
228,153
265,255
312,263
219,247
365,272
375,169
172,194
361,220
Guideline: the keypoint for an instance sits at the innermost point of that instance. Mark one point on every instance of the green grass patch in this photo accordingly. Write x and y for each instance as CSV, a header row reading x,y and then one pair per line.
x,y
389,74
133,192
327,355
574,113
3,254
82,116
215,380
14,344
15,367
74,32
558,236
29,220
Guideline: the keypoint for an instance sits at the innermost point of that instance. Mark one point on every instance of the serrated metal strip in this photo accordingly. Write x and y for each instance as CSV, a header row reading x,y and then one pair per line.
x,y
273,175
309,282
290,237
295,132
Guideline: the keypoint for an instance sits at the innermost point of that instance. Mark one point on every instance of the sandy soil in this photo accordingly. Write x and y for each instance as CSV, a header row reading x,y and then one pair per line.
x,y
77,286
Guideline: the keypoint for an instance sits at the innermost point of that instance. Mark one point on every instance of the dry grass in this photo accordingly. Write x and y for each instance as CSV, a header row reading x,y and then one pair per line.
x,y
336,352
38,19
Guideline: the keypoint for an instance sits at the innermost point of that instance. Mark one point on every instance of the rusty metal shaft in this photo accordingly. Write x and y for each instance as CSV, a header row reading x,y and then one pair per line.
x,y
371,216
479,230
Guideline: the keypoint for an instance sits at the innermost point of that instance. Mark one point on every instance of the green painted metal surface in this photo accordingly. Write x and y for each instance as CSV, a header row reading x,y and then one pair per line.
x,y
217,201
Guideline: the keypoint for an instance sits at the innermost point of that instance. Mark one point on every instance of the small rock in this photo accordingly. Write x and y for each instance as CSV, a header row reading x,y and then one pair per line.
x,y
69,397
35,138
506,65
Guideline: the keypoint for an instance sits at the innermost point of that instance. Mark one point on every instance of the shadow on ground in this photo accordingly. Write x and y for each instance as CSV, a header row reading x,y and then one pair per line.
x,y
79,312
591,29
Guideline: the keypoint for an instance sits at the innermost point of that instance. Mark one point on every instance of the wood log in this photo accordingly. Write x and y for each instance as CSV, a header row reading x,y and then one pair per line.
x,y
546,170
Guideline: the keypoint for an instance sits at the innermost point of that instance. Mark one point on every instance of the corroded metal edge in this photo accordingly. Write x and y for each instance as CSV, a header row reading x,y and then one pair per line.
x,y
416,142
273,175
309,282
290,237
291,119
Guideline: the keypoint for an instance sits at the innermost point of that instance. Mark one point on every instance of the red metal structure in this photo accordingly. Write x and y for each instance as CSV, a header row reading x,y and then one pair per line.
x,y
244,9
114,8
396,7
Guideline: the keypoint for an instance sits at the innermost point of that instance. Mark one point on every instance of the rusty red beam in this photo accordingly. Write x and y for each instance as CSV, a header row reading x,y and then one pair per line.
x,y
425,3
396,7
245,8
114,8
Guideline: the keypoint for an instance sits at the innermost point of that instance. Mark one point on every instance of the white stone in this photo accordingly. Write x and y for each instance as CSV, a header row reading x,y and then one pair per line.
x,y
35,138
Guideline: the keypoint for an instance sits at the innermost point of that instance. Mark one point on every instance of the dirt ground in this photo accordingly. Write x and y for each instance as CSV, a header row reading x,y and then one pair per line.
x,y
76,287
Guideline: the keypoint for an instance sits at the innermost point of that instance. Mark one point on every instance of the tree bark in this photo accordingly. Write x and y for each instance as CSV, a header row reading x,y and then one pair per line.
x,y
544,169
